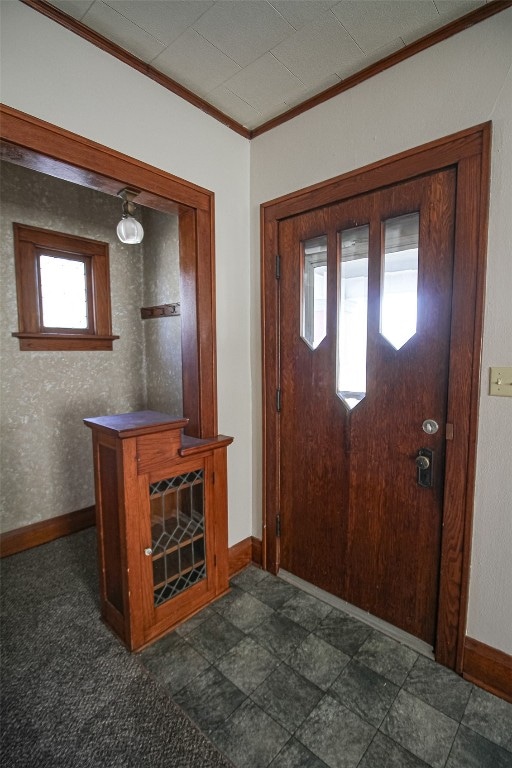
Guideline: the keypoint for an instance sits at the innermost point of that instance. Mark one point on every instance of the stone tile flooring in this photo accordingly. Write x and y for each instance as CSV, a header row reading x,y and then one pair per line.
x,y
278,678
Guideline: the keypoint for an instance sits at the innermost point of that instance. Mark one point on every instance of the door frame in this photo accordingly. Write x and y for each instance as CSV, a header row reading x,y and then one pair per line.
x,y
468,152
45,147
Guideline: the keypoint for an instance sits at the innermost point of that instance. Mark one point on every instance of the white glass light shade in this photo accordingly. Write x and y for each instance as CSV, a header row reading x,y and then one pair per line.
x,y
130,231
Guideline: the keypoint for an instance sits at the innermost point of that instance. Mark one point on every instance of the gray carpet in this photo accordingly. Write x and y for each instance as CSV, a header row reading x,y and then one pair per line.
x,y
71,694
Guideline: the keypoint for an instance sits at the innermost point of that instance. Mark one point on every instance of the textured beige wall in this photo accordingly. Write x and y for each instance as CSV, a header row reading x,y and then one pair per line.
x,y
46,458
162,336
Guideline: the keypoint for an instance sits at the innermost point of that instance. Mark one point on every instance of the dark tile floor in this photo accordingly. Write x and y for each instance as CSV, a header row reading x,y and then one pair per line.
x,y
277,678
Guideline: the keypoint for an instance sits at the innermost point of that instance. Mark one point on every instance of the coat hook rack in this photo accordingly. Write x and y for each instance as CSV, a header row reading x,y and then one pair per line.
x,y
160,310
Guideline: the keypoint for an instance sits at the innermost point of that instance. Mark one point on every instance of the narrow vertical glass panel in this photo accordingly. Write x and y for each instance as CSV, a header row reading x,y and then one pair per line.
x,y
399,300
352,315
177,534
63,292
314,290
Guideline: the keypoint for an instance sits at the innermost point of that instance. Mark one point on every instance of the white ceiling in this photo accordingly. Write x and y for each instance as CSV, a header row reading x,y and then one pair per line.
x,y
255,59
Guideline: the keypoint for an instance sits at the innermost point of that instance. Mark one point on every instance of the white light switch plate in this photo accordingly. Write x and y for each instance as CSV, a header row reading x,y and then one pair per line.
x,y
500,381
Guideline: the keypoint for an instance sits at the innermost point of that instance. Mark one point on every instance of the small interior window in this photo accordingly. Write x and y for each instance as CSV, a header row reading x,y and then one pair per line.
x,y
64,294
63,289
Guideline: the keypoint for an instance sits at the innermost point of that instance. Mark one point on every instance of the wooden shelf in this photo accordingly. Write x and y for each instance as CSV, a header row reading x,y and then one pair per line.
x,y
187,521
175,547
176,576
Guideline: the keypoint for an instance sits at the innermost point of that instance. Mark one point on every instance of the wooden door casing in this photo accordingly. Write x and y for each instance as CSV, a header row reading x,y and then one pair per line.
x,y
353,519
36,144
468,153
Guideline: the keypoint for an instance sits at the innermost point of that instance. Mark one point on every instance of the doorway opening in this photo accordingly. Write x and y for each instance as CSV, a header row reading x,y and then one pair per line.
x,y
35,144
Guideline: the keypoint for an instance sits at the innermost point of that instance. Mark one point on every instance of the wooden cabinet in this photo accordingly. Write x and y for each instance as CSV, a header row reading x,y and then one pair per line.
x,y
161,511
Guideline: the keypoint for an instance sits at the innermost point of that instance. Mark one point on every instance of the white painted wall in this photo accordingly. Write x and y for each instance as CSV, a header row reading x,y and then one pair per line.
x,y
459,83
52,74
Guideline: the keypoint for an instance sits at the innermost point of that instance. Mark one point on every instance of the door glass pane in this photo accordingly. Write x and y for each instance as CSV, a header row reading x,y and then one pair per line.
x,y
177,534
399,301
352,315
63,292
314,290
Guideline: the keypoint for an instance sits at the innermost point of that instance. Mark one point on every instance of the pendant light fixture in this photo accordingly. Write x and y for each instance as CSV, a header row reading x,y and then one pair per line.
x,y
129,230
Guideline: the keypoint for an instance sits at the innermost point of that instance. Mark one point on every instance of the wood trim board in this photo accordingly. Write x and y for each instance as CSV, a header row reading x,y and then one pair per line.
x,y
256,548
240,555
244,553
86,33
34,143
468,151
443,33
488,668
44,531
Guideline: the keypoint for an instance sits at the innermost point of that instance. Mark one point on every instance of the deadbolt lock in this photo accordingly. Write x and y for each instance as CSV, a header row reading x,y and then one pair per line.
x,y
430,426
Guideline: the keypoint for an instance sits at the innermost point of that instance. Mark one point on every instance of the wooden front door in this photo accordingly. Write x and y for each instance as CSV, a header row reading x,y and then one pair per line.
x,y
365,317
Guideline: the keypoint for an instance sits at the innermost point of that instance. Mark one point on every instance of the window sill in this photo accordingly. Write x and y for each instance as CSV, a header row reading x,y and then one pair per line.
x,y
64,342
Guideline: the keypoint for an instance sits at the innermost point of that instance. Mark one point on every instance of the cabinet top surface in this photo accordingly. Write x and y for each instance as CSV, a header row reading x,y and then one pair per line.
x,y
136,423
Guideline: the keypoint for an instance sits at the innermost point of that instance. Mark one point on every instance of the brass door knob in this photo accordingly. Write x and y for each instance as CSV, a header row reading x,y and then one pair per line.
x,y
422,462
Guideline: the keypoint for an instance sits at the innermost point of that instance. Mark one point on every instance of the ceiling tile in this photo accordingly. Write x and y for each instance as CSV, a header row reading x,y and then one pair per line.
x,y
74,8
372,58
120,30
414,19
291,49
308,93
265,83
243,30
452,9
372,24
300,13
420,27
166,20
195,63
319,50
376,23
235,107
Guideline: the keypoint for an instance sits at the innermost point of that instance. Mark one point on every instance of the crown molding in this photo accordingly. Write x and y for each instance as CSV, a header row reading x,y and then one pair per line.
x,y
86,33
443,33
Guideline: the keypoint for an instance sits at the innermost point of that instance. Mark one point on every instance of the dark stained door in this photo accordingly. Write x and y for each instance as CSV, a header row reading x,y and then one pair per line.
x,y
365,313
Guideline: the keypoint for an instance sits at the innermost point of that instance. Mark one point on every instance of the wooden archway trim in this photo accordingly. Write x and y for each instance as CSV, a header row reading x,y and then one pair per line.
x,y
469,152
39,145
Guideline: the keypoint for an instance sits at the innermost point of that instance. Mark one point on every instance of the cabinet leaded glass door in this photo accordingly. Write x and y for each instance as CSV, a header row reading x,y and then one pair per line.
x,y
178,548
178,539
355,521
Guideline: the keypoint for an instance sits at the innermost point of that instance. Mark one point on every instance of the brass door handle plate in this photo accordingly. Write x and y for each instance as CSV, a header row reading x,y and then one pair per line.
x,y
425,467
